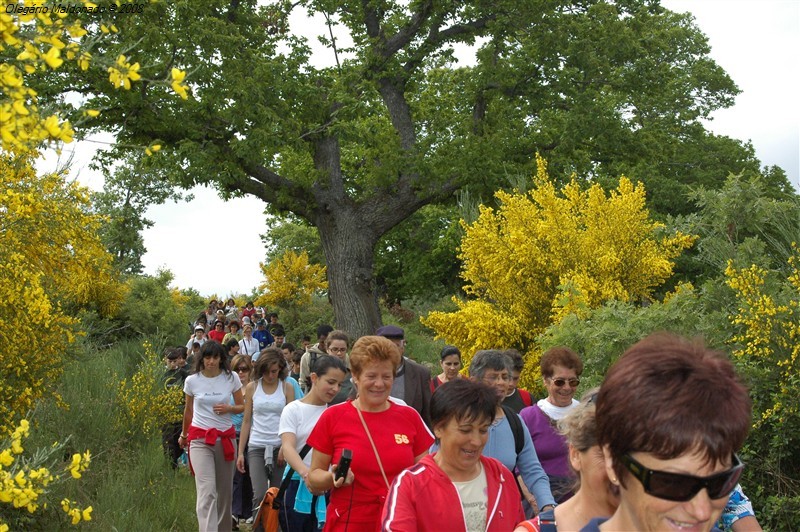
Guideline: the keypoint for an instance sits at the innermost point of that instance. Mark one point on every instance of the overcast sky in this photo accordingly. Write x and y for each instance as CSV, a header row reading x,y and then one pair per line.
x,y
756,41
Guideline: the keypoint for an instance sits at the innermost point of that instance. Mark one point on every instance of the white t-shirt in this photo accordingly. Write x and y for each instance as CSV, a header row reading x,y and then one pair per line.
x,y
249,347
206,393
474,501
191,342
556,412
300,418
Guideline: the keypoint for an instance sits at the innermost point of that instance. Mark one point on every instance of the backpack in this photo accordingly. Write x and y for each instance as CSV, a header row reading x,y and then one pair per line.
x,y
525,395
516,428
267,517
519,438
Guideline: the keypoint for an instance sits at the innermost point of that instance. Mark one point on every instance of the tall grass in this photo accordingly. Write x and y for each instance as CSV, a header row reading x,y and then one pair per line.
x,y
130,484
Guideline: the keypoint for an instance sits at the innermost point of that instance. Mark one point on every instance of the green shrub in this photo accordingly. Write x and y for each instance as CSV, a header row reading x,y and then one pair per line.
x,y
130,483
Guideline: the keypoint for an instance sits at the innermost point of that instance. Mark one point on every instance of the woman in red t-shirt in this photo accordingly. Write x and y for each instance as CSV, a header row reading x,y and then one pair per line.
x,y
384,437
218,332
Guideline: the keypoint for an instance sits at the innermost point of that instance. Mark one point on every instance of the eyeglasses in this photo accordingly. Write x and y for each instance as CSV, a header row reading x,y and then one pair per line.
x,y
681,488
337,349
573,382
242,368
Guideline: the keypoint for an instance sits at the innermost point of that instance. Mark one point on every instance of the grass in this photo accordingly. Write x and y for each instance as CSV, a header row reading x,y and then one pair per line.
x,y
130,484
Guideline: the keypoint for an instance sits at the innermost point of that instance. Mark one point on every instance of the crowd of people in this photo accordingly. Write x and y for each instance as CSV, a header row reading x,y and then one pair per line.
x,y
361,437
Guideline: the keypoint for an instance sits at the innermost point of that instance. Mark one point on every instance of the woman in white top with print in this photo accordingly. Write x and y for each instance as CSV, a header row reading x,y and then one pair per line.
x,y
209,433
248,345
297,422
264,397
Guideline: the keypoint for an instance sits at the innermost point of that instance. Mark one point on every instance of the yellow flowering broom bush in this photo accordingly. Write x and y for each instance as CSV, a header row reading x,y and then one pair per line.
x,y
290,281
766,346
34,41
549,253
51,262
146,401
27,478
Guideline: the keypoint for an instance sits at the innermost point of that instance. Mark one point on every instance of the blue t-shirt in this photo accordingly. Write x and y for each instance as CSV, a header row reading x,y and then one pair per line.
x,y
264,338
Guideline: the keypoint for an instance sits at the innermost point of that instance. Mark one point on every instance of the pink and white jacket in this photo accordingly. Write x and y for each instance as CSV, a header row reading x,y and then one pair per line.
x,y
423,498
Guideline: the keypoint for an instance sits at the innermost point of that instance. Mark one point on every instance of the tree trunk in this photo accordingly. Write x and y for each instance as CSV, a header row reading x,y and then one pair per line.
x,y
349,252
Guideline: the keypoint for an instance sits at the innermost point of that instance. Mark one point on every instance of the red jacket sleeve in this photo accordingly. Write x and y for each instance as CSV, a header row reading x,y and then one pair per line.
x,y
399,510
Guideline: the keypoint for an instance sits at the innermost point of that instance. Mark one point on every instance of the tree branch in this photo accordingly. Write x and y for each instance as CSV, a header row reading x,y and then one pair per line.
x,y
388,207
399,111
404,36
269,186
436,38
371,20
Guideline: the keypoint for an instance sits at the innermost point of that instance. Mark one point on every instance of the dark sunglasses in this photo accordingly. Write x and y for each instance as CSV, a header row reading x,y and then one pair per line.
x,y
682,488
242,368
561,382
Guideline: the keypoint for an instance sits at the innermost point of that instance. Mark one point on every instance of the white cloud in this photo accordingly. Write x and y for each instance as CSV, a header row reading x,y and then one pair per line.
x,y
208,244
758,44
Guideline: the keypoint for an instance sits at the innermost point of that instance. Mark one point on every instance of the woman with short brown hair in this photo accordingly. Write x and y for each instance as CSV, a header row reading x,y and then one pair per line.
x,y
671,415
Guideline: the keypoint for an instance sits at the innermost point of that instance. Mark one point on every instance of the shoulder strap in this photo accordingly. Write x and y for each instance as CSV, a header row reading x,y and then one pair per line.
x,y
374,449
547,521
288,478
516,428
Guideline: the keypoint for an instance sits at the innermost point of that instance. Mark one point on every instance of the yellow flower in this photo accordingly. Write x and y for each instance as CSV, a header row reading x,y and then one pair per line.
x,y
83,60
9,76
177,83
16,447
122,73
53,58
52,126
87,513
92,112
6,459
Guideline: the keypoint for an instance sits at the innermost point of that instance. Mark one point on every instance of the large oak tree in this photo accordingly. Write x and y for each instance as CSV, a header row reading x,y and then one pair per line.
x,y
395,123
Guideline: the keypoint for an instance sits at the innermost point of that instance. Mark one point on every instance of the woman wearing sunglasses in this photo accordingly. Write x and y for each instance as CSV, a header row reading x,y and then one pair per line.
x,y
671,415
561,368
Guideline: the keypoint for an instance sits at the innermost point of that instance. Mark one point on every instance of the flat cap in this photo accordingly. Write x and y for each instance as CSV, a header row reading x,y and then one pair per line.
x,y
391,331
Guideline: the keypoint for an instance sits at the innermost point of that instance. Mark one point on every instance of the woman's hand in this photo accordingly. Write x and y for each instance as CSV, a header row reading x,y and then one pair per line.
x,y
240,463
345,481
182,442
222,408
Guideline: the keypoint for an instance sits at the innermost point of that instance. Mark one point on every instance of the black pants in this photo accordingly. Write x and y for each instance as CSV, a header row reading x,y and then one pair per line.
x,y
170,433
242,491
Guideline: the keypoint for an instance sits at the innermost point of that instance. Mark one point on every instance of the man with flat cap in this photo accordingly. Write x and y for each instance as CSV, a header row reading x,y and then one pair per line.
x,y
412,382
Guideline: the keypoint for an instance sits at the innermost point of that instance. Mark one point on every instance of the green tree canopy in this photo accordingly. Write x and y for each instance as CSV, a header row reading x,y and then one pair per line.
x,y
395,123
